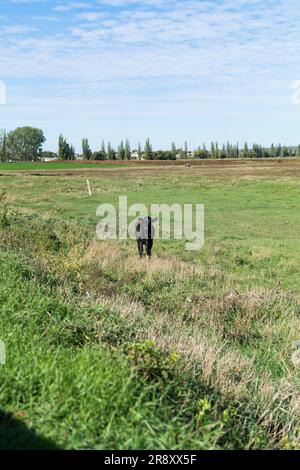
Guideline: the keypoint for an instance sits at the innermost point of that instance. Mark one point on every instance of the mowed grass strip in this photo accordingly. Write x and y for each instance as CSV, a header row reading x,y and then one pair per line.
x,y
60,165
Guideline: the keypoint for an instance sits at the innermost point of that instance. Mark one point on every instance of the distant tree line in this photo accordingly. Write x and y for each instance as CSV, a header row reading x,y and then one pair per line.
x,y
256,151
123,152
25,144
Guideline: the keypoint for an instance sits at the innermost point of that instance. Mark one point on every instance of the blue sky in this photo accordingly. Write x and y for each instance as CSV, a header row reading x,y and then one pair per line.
x,y
170,70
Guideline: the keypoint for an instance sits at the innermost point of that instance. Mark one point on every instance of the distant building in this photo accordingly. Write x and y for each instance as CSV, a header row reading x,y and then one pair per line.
x,y
48,159
135,155
180,156
47,156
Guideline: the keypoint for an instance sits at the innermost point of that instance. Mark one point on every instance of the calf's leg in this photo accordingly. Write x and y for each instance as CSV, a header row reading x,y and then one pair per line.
x,y
149,248
140,247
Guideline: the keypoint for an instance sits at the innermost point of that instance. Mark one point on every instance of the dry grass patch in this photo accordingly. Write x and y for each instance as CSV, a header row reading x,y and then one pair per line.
x,y
110,255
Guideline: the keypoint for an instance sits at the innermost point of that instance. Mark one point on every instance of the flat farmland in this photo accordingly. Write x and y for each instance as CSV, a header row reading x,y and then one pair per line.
x,y
205,339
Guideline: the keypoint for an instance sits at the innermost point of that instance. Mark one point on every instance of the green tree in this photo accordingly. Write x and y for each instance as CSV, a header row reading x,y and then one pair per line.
x,y
71,153
285,151
103,151
113,154
246,153
121,151
186,151
217,150
205,151
110,152
229,150
257,151
24,143
65,150
223,153
237,150
278,150
212,150
272,151
201,153
139,151
127,154
148,152
181,153
86,151
174,149
163,155
61,147
3,145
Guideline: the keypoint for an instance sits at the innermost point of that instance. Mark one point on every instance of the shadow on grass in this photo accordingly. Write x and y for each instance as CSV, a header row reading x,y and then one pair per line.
x,y
15,435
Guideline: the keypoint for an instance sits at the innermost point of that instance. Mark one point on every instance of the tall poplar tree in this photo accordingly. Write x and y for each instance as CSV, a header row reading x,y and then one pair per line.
x,y
86,151
148,152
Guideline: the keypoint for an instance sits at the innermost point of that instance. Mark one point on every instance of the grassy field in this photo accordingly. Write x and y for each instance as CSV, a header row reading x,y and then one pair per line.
x,y
107,351
55,165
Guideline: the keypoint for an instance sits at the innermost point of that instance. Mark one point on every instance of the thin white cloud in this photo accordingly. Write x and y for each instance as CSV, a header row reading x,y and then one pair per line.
x,y
91,15
69,6
18,29
160,58
45,18
27,1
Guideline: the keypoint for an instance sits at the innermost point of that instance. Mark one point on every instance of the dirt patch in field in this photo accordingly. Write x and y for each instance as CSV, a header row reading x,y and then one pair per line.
x,y
218,168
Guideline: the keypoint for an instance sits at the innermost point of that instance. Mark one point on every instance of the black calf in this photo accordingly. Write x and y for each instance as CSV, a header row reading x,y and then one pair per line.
x,y
145,233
